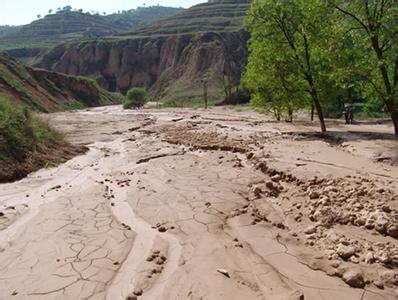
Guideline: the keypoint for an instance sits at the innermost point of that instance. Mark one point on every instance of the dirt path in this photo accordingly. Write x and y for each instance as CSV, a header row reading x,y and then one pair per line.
x,y
180,204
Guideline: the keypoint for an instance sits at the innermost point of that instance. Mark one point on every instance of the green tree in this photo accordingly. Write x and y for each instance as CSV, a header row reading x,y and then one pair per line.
x,y
371,27
136,98
295,33
275,82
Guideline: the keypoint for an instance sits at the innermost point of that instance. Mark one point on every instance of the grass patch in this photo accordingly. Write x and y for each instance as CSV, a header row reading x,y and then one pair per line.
x,y
27,143
20,132
70,106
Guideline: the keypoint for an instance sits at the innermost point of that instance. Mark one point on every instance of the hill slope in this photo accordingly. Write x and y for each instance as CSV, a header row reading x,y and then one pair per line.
x,y
48,91
67,25
212,16
27,143
170,57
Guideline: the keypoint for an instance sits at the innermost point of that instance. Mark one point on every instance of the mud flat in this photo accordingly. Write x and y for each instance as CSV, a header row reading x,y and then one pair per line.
x,y
217,204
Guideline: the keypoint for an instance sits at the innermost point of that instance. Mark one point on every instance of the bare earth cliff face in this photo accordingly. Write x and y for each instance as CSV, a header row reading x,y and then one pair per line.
x,y
47,91
153,62
167,57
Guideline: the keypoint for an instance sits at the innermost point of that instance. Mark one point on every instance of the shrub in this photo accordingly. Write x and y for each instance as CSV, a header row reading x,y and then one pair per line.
x,y
136,98
20,132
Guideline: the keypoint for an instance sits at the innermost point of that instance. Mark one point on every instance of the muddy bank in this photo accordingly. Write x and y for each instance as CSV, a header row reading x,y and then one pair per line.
x,y
43,156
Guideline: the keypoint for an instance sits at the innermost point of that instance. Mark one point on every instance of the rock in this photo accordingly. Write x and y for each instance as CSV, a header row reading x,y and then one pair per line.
x,y
386,208
55,188
150,258
369,258
354,278
257,192
223,272
270,185
384,257
345,252
378,284
390,278
310,230
392,230
276,178
162,229
354,260
381,224
314,195
335,263
131,297
138,292
164,258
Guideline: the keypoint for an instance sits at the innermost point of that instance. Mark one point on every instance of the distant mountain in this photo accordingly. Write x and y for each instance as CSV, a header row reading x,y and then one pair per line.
x,y
48,91
134,18
67,25
5,30
216,16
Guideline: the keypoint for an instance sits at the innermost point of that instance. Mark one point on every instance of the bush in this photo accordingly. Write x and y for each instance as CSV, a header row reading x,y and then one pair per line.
x,y
20,132
136,98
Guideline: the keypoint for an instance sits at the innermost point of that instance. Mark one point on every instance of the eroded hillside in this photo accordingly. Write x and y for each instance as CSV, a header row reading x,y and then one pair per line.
x,y
47,91
170,57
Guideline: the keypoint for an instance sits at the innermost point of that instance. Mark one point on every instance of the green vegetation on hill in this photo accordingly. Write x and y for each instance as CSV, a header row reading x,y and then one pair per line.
x,y
140,16
20,132
216,17
67,25
170,58
5,30
27,143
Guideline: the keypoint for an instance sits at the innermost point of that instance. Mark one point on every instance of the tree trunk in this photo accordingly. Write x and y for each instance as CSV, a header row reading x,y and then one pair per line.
x,y
316,102
290,113
317,105
393,109
319,110
388,85
205,93
277,115
312,111
394,117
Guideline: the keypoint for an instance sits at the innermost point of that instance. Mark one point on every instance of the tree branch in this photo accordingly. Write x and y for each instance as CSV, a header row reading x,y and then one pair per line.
x,y
354,17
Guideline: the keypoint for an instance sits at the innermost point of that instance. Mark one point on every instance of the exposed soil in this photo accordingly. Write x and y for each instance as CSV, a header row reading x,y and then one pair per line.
x,y
192,204
42,156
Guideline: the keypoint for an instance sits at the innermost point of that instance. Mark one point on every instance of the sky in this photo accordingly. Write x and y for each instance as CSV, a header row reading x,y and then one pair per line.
x,y
21,12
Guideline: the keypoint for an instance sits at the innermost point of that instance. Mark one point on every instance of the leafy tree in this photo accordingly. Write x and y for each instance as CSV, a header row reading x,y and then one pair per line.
x,y
371,27
274,81
136,98
294,33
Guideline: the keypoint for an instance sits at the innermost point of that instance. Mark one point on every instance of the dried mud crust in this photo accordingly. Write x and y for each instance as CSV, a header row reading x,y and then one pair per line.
x,y
195,138
203,207
77,251
348,222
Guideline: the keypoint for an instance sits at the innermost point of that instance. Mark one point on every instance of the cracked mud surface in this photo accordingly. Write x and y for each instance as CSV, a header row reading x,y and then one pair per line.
x,y
181,204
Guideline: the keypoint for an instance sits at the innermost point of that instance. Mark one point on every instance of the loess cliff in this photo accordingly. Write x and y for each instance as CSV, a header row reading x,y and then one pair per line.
x,y
47,91
171,57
